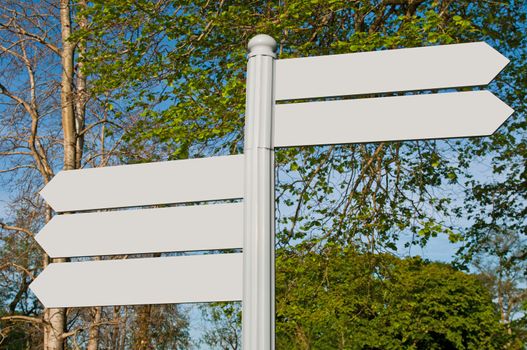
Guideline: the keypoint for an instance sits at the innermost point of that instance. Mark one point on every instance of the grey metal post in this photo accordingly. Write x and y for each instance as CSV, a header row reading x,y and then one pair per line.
x,y
258,248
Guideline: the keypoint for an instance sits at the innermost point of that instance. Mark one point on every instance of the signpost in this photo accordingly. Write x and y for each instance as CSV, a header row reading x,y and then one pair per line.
x,y
250,275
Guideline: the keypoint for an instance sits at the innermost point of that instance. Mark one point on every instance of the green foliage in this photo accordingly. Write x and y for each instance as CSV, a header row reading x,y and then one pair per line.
x,y
340,299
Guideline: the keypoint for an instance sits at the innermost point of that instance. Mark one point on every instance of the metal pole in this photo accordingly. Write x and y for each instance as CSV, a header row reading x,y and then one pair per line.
x,y
258,258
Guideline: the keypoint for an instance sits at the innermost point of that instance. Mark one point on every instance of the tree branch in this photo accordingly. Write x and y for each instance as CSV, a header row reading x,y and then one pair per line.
x,y
16,228
22,318
21,31
28,166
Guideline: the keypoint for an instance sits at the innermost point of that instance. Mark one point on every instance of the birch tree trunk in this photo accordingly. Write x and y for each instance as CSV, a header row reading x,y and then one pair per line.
x,y
45,314
57,317
66,95
82,94
80,121
93,341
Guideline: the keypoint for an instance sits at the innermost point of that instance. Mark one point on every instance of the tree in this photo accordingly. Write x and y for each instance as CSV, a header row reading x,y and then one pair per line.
x,y
495,205
501,262
53,120
225,320
338,298
25,146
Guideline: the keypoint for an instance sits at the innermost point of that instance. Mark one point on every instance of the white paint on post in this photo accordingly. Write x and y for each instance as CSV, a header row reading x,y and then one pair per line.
x,y
181,279
430,116
177,229
178,181
423,68
258,264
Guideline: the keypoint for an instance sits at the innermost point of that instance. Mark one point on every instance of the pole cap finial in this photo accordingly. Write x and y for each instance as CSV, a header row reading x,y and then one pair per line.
x,y
262,44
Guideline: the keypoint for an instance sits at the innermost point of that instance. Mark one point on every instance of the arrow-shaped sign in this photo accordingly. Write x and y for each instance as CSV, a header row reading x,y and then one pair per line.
x,y
181,279
178,181
177,229
431,116
423,68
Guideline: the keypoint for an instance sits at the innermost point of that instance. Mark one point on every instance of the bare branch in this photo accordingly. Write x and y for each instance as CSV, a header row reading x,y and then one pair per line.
x,y
16,29
22,318
18,167
15,153
19,267
6,92
16,228
91,126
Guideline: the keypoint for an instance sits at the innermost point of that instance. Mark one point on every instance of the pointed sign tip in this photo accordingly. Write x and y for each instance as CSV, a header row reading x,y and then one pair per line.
x,y
43,192
494,108
496,52
506,113
43,241
36,288
500,61
47,191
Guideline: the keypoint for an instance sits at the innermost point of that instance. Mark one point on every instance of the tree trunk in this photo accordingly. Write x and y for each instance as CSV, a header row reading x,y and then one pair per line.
x,y
66,95
80,121
93,341
45,260
57,317
57,324
82,95
115,330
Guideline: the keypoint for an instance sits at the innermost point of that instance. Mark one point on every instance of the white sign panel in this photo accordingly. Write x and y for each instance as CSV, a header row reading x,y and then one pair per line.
x,y
179,181
181,279
423,68
430,116
188,228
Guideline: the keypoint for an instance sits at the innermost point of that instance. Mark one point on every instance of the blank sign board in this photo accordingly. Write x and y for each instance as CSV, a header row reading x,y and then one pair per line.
x,y
197,227
423,68
179,181
181,279
431,116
